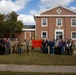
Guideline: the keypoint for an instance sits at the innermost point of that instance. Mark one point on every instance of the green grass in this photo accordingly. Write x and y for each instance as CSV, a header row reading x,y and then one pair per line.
x,y
38,58
31,73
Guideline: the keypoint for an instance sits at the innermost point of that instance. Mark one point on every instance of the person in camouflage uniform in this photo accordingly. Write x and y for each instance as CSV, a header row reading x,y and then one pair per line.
x,y
16,45
19,47
12,46
29,45
24,45
72,48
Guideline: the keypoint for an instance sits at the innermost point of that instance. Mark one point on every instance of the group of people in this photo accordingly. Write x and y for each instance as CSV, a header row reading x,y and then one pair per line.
x,y
58,46
14,46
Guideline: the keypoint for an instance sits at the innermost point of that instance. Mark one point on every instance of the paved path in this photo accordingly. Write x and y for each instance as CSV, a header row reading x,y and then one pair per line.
x,y
36,68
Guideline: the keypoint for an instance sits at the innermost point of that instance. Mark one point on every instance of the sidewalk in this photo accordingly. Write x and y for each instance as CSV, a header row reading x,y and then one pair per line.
x,y
36,68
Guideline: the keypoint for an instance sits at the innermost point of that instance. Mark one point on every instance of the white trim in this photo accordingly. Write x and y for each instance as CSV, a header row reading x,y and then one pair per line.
x,y
71,35
29,34
46,34
71,22
46,22
59,30
28,29
61,22
59,11
55,7
55,15
24,35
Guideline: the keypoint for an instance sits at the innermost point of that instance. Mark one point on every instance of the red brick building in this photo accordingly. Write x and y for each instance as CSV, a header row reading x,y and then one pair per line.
x,y
56,22
28,31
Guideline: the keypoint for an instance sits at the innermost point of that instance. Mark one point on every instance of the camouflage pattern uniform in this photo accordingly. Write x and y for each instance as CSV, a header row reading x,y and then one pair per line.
x,y
16,45
12,46
29,45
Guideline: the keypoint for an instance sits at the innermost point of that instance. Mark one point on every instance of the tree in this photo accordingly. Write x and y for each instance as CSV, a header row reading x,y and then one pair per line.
x,y
1,25
12,23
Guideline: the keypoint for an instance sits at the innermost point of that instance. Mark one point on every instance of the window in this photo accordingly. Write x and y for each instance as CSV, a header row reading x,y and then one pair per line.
x,y
44,34
73,35
58,22
44,22
73,22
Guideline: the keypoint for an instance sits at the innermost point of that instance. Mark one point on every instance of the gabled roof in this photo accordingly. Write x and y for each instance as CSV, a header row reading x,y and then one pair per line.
x,y
55,7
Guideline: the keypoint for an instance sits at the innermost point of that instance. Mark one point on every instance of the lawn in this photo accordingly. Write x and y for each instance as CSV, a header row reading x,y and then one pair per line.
x,y
38,58
31,73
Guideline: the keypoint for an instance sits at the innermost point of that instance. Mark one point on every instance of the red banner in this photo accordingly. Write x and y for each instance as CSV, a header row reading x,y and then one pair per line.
x,y
36,43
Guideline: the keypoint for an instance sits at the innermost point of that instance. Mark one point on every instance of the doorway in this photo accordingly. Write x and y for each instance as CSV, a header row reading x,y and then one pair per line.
x,y
59,34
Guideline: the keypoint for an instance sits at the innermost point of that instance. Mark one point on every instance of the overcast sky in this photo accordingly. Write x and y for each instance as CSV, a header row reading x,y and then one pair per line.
x,y
27,8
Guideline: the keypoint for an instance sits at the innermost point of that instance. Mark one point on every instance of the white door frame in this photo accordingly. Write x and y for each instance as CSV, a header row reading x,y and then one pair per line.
x,y
59,30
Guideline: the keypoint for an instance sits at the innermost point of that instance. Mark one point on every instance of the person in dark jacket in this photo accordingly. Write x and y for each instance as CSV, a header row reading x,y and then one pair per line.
x,y
52,49
45,46
2,47
68,47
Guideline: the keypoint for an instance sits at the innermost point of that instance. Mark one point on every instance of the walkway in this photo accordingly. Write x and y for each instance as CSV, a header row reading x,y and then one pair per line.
x,y
36,68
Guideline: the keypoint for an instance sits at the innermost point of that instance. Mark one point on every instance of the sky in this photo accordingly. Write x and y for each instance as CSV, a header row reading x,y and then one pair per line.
x,y
27,8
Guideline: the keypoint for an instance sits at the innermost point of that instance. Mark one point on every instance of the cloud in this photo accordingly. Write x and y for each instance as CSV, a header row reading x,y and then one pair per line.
x,y
74,8
50,3
7,6
27,19
32,12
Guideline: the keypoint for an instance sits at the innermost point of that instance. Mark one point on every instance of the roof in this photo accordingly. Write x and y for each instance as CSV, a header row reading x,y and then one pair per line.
x,y
29,27
37,14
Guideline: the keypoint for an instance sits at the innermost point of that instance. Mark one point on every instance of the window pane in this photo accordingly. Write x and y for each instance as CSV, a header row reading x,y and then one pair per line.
x,y
44,34
58,22
44,22
59,33
73,35
73,21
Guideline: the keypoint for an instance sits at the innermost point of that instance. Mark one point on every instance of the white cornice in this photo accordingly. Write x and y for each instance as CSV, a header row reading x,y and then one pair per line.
x,y
28,29
55,15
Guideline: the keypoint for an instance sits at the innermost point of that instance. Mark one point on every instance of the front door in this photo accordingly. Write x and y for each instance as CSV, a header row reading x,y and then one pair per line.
x,y
59,34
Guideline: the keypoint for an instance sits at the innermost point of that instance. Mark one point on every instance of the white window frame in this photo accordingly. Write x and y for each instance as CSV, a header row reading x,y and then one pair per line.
x,y
71,22
56,22
46,34
71,35
42,22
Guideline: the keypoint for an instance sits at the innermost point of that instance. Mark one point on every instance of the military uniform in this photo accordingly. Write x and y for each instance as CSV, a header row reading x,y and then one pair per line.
x,y
12,46
19,47
29,45
24,46
16,45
